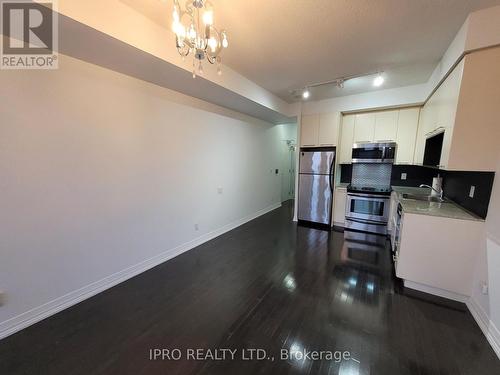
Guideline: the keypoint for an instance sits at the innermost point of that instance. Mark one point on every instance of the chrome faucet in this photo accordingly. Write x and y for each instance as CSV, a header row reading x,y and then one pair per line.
x,y
440,192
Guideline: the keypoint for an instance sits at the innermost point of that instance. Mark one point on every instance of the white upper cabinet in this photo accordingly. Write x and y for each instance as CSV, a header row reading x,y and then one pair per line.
x,y
398,126
319,130
438,115
346,139
309,130
406,135
386,126
364,127
329,124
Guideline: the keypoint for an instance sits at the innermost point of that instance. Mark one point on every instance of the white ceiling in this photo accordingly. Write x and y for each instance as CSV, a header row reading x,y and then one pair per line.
x,y
287,44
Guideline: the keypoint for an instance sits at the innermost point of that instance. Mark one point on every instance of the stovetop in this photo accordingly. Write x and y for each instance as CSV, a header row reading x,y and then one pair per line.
x,y
381,190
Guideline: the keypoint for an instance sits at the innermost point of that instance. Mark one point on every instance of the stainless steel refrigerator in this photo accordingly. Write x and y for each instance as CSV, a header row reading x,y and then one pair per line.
x,y
316,181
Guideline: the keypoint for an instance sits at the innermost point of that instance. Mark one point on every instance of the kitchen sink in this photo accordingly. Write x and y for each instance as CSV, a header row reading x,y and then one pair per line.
x,y
426,198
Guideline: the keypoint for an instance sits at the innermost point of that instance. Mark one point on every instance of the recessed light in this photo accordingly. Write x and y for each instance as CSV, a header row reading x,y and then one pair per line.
x,y
378,81
306,94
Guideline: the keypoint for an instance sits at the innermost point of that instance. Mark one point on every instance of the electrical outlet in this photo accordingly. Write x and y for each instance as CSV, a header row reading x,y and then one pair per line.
x,y
484,288
472,191
403,176
3,298
196,227
220,190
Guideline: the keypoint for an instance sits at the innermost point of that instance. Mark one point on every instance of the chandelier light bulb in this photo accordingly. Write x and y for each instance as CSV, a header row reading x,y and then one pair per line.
x,y
378,81
212,42
208,17
175,15
225,43
306,94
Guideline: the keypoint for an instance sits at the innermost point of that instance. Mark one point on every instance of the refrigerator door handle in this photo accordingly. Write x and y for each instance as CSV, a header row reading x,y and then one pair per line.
x,y
331,176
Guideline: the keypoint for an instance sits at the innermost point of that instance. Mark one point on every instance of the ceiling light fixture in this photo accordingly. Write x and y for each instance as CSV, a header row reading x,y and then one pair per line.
x,y
338,82
378,81
198,35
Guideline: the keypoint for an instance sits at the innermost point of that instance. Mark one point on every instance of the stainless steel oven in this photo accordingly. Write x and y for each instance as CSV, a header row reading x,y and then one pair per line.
x,y
367,212
378,152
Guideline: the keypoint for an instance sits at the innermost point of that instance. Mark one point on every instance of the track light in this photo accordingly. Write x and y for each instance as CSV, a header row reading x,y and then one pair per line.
x,y
378,81
306,94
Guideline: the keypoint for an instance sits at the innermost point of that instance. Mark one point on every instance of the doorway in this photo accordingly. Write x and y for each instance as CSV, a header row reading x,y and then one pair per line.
x,y
288,167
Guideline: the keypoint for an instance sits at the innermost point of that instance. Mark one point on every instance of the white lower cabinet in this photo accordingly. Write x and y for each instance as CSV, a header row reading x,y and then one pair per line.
x,y
340,197
436,254
392,212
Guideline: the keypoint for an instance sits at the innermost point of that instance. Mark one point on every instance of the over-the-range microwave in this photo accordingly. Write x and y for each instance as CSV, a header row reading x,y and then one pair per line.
x,y
377,152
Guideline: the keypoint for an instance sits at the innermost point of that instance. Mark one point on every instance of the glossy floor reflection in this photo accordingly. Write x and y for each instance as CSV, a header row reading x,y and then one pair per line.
x,y
266,285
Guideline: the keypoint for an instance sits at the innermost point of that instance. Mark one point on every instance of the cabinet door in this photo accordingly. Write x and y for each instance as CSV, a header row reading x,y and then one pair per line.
x,y
364,127
329,129
340,197
386,126
418,157
346,139
407,135
309,130
450,91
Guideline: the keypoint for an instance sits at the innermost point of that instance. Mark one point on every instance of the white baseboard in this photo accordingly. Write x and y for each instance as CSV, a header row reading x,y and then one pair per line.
x,y
436,291
489,329
41,312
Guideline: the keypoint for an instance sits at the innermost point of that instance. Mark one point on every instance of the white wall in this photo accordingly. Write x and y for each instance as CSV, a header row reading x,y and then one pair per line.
x,y
103,175
486,307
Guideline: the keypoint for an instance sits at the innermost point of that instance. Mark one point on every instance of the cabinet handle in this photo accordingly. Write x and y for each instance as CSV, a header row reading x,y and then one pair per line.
x,y
384,140
308,145
327,144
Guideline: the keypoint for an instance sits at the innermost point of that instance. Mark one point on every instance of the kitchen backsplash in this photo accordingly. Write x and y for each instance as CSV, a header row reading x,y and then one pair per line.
x,y
456,184
345,173
415,175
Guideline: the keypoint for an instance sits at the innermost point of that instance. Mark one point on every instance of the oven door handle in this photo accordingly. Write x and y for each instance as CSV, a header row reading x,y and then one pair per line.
x,y
366,221
370,196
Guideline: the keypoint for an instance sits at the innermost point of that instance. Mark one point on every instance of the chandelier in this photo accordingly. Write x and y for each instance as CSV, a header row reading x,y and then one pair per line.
x,y
196,34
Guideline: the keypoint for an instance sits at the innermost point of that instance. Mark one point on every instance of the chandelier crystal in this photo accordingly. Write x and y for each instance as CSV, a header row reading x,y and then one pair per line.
x,y
195,33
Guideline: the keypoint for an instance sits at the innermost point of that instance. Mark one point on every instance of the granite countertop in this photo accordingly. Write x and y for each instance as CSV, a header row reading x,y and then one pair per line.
x,y
445,209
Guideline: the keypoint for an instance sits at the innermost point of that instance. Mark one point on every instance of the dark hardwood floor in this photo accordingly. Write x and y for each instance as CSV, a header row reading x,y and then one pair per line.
x,y
269,285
